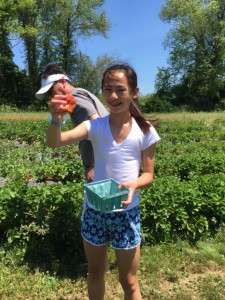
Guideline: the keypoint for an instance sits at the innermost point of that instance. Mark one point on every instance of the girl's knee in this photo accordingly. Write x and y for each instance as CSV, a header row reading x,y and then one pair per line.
x,y
96,271
129,283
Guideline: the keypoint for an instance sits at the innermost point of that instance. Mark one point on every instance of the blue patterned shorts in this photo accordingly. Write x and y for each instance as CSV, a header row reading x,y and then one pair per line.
x,y
122,229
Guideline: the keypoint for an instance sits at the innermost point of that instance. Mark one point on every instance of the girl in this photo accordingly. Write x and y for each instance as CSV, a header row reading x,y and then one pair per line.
x,y
122,141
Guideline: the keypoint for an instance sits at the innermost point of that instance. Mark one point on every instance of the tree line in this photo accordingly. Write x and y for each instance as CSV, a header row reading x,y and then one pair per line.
x,y
49,32
195,75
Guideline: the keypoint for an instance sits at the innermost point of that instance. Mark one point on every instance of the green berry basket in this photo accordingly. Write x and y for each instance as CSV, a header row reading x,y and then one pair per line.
x,y
105,196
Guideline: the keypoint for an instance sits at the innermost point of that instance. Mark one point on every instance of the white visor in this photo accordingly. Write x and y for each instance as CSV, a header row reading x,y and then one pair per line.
x,y
47,83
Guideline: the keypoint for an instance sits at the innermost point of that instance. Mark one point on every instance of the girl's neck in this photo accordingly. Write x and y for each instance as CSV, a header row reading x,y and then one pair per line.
x,y
120,119
120,127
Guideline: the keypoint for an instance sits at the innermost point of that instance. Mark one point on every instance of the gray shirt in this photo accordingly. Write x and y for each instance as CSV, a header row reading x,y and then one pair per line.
x,y
87,104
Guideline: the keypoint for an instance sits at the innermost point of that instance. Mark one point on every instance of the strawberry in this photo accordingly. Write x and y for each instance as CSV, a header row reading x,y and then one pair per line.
x,y
71,103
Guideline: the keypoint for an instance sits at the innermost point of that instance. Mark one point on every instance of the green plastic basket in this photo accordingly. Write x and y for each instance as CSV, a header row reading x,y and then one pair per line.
x,y
105,196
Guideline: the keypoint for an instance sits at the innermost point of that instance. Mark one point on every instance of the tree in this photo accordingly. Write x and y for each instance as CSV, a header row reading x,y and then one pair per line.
x,y
197,50
87,74
82,19
164,84
50,30
27,28
7,66
64,25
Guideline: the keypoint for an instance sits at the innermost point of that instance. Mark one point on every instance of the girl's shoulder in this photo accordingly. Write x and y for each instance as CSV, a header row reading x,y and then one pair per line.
x,y
100,120
151,136
97,123
147,138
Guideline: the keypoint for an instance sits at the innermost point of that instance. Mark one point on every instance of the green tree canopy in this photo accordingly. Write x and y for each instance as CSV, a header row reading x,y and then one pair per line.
x,y
197,51
49,32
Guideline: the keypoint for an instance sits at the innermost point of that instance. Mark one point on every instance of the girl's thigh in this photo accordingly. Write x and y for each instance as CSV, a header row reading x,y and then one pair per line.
x,y
128,262
96,256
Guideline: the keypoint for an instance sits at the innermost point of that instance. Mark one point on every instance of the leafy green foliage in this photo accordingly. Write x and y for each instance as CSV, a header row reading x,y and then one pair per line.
x,y
195,72
44,220
49,31
41,198
152,103
188,209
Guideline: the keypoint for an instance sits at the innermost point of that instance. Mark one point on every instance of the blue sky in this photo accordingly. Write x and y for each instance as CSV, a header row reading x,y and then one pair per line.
x,y
136,36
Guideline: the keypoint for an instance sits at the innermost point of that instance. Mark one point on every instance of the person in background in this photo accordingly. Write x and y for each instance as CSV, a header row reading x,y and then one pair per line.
x,y
122,142
54,80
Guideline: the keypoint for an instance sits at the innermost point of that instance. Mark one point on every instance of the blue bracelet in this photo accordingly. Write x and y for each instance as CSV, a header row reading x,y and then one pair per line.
x,y
52,123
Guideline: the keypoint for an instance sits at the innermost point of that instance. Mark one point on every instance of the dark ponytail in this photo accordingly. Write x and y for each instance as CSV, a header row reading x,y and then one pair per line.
x,y
136,113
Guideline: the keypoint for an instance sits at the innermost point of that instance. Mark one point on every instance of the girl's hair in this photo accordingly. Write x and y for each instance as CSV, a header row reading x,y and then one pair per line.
x,y
131,75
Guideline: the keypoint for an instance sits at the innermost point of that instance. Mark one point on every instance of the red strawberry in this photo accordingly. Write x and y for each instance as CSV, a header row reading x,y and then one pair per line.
x,y
71,103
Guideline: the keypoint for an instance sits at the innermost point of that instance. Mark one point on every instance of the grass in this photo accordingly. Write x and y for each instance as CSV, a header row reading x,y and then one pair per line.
x,y
209,117
168,271
205,116
23,115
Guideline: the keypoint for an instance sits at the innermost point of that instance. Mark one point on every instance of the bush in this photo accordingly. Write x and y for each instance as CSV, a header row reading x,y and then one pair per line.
x,y
7,108
152,103
221,105
188,210
44,220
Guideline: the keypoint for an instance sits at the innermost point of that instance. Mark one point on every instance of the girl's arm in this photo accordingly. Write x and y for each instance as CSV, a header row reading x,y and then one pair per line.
x,y
145,178
148,156
56,138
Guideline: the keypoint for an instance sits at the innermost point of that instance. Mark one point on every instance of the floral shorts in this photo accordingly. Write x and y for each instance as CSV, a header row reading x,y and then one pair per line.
x,y
122,229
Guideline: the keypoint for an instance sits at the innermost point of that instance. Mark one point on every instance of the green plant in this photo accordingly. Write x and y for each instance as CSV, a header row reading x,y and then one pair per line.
x,y
186,199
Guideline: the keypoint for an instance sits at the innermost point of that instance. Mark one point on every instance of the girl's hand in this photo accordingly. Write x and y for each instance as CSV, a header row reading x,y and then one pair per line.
x,y
57,104
132,187
57,107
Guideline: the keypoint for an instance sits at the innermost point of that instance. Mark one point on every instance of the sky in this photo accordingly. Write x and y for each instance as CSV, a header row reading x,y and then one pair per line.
x,y
136,37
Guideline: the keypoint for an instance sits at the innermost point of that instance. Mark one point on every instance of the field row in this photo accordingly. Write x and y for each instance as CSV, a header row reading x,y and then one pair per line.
x,y
186,200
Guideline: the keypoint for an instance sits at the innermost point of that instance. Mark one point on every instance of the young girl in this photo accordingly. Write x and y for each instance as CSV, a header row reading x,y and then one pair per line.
x,y
122,141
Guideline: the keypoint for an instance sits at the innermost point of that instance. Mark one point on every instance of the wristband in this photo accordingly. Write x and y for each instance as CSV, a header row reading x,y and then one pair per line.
x,y
52,123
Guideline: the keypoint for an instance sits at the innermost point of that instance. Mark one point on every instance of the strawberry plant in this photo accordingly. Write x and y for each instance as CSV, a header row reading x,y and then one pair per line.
x,y
44,220
41,197
186,209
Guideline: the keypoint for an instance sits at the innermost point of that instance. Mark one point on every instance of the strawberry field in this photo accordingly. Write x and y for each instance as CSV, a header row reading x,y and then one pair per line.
x,y
41,189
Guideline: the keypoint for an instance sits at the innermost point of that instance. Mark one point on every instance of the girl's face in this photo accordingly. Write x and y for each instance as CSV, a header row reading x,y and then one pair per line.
x,y
117,93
